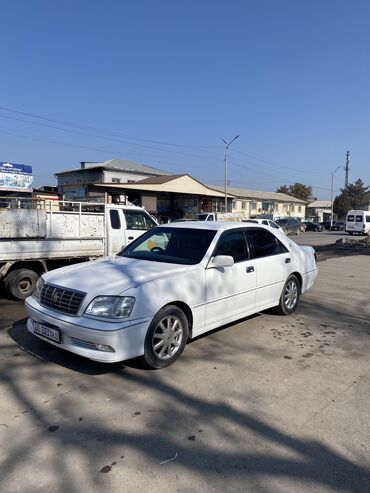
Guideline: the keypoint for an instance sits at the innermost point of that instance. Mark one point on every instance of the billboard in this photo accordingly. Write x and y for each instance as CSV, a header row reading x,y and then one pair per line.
x,y
15,177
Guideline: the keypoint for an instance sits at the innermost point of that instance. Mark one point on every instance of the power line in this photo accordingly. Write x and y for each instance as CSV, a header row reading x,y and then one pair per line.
x,y
104,131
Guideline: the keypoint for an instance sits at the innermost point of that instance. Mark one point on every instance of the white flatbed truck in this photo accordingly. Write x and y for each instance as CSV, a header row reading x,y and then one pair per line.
x,y
50,235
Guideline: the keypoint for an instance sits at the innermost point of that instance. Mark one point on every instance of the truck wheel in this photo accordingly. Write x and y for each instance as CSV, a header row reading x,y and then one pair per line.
x,y
21,283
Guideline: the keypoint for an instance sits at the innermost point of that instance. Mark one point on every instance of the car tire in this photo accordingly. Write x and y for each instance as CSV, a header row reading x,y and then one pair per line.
x,y
289,296
171,327
21,283
350,233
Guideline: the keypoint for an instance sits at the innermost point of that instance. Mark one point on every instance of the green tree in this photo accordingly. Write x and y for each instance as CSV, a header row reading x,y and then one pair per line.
x,y
354,196
298,190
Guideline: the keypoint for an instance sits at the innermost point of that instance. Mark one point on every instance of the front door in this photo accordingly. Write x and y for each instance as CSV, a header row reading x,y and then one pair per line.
x,y
137,222
230,291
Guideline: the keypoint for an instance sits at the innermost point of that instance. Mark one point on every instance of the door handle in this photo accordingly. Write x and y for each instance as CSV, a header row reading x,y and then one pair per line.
x,y
249,269
287,260
130,237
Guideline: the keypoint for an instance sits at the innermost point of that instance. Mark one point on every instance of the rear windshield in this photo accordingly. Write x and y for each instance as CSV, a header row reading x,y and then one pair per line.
x,y
350,218
171,245
359,219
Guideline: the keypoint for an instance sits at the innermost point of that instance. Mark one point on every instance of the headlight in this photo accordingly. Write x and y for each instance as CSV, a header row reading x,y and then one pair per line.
x,y
37,291
111,307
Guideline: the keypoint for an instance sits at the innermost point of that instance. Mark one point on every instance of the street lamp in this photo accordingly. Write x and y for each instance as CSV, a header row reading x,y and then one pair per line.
x,y
331,194
226,148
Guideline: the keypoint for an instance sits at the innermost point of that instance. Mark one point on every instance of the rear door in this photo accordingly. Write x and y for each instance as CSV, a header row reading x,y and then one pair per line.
x,y
359,221
272,263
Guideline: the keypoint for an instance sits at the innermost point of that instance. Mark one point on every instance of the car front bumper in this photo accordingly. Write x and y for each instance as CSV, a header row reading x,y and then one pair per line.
x,y
80,335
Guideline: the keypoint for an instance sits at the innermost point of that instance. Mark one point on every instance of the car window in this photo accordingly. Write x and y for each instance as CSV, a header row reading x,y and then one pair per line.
x,y
265,222
273,225
138,220
368,219
172,245
233,244
350,218
358,219
264,243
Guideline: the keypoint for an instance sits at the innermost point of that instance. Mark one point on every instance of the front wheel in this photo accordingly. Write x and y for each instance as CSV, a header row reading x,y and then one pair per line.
x,y
166,337
289,297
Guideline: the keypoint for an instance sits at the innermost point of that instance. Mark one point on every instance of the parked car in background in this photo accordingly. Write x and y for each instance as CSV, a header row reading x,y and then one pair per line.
x,y
338,226
174,283
291,225
265,222
313,226
326,224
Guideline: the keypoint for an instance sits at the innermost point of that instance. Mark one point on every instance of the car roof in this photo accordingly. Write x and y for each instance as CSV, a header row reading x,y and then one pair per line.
x,y
212,225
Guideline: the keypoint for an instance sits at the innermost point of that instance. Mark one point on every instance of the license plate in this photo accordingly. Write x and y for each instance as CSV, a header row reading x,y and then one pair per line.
x,y
48,332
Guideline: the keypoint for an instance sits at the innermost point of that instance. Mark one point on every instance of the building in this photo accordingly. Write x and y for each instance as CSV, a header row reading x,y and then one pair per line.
x,y
167,196
78,183
253,203
319,211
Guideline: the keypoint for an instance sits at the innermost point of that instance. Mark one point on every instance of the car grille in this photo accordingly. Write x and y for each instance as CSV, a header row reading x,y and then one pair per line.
x,y
61,299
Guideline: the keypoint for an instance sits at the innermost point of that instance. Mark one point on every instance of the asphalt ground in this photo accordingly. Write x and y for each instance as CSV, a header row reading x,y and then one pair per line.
x,y
268,405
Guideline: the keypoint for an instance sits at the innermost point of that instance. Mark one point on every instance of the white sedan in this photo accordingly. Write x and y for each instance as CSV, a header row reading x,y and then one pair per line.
x,y
173,283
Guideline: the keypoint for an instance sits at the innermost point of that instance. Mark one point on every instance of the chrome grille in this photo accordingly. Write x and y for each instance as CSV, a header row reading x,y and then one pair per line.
x,y
61,299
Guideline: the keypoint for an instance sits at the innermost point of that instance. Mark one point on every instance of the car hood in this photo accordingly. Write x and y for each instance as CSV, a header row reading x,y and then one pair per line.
x,y
111,276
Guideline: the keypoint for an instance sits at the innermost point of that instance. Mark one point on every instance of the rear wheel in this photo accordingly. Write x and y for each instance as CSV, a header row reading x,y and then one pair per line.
x,y
166,337
350,233
21,283
289,297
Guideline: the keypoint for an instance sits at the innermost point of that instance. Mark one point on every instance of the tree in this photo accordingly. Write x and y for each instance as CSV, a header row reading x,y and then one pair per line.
x,y
354,196
298,190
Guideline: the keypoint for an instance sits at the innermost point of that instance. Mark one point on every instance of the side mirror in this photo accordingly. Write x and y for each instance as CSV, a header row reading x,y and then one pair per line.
x,y
221,261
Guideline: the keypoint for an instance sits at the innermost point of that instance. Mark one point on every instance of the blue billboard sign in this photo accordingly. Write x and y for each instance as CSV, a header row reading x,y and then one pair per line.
x,y
15,177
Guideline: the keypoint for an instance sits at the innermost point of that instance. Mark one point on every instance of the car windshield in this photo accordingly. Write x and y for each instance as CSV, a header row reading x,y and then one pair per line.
x,y
172,245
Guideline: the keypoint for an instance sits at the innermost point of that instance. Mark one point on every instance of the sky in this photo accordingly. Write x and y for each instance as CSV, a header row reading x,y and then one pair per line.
x,y
162,82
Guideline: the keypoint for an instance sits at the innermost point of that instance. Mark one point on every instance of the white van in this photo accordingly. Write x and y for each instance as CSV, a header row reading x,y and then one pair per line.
x,y
358,222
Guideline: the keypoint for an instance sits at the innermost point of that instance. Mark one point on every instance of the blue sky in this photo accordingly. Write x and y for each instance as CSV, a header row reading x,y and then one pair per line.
x,y
162,82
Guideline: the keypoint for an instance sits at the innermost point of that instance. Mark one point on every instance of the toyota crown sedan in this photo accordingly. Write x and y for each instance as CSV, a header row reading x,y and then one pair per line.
x,y
172,284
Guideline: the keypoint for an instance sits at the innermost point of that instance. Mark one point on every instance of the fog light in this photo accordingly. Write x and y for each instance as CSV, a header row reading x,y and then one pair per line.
x,y
104,347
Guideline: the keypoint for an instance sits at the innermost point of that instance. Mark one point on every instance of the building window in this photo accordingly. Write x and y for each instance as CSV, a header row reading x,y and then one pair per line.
x,y
116,180
299,208
293,208
131,181
253,206
244,204
285,207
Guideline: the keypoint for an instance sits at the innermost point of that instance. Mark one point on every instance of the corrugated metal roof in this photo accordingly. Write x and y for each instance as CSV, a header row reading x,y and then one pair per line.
x,y
158,180
258,195
121,165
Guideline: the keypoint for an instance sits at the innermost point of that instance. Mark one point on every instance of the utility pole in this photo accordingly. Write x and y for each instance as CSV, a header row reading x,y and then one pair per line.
x,y
331,195
225,164
346,169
